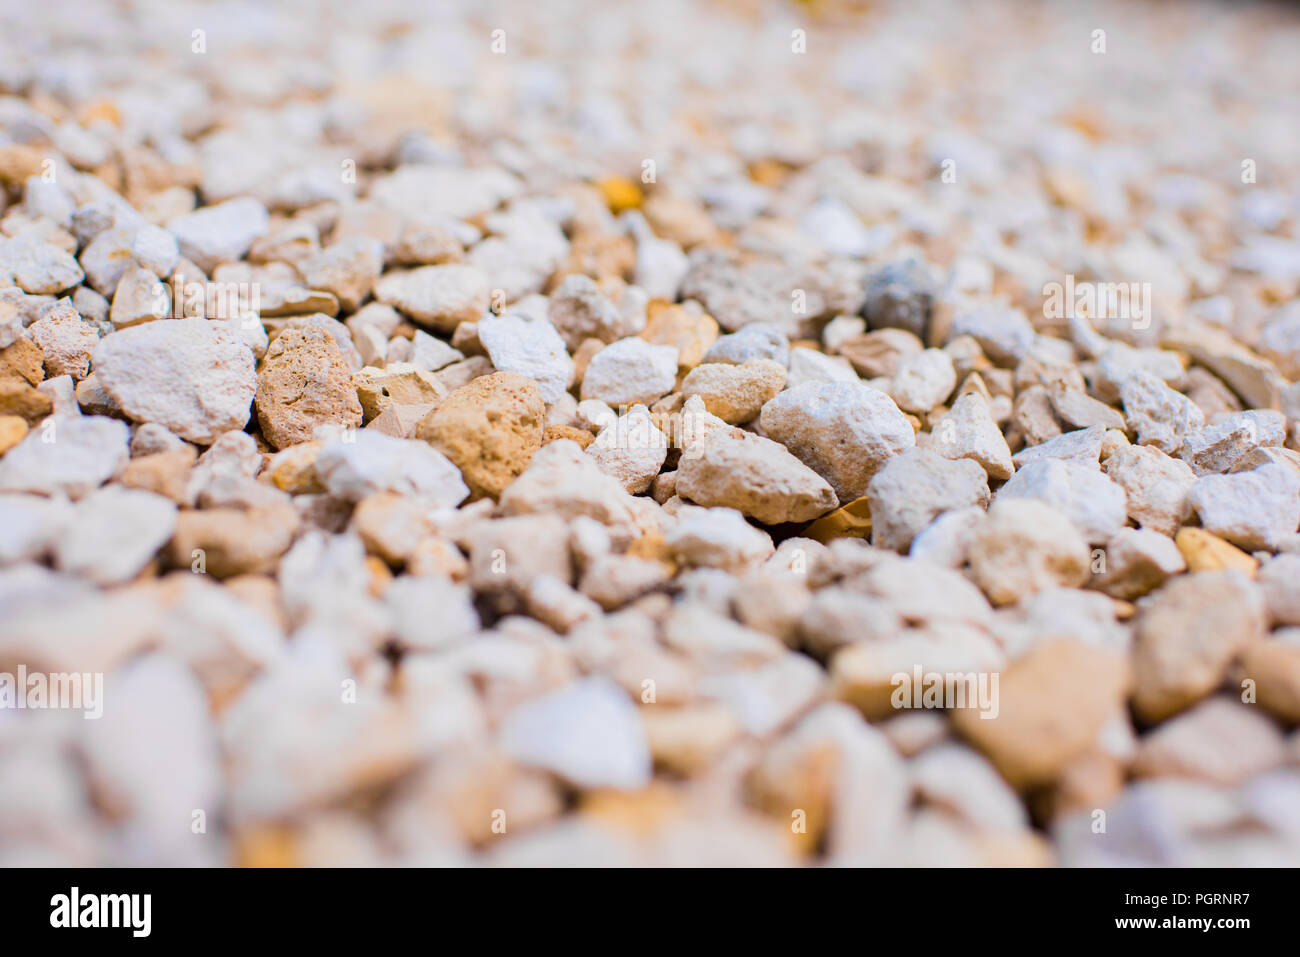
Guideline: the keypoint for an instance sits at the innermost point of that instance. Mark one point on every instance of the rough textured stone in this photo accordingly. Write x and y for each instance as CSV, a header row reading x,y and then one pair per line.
x,y
192,376
630,371
304,383
844,432
916,487
735,393
1023,547
531,348
441,297
755,476
489,429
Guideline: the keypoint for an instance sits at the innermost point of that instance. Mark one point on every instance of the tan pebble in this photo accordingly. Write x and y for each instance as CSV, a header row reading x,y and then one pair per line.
x,y
1206,552
13,429
850,521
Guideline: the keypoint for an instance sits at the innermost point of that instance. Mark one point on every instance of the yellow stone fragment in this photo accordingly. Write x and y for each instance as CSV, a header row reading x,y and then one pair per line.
x,y
13,429
269,846
620,193
1205,552
848,521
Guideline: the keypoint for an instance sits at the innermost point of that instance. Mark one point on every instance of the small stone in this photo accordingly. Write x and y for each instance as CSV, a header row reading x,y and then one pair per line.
x,y
1138,561
85,453
809,365
1219,447
1004,334
630,371
489,429
139,298
848,521
22,359
917,486
580,310
113,534
632,449
758,340
66,342
1156,487
756,476
225,542
588,733
20,399
946,541
431,354
1095,504
844,432
37,267
531,348
900,295
347,269
718,538
1079,445
1188,636
562,480
923,381
1255,509
399,385
1274,666
1280,579
13,429
304,383
1221,740
1204,552
219,234
156,250
367,463
391,526
1025,546
1076,408
735,393
691,332
1052,705
1160,416
967,431
441,297
163,473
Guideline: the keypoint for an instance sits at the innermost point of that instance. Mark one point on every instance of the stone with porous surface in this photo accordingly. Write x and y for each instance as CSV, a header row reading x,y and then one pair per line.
x,y
66,342
489,429
1138,561
1156,487
923,381
845,432
718,538
1160,416
758,340
304,383
192,376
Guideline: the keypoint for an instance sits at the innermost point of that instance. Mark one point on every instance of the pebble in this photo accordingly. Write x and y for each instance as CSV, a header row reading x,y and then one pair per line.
x,y
1160,416
66,342
85,453
758,340
1025,546
967,431
489,429
923,381
756,476
632,449
630,371
113,533
37,267
589,734
191,376
1255,509
440,297
367,463
531,348
844,432
735,393
1188,636
1138,561
914,488
1156,487
1096,505
304,383
218,234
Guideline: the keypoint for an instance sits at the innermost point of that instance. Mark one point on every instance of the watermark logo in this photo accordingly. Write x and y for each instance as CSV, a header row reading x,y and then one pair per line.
x,y
948,690
1128,301
62,691
133,911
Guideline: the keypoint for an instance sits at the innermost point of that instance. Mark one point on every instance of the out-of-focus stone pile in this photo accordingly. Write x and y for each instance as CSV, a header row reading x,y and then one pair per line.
x,y
520,433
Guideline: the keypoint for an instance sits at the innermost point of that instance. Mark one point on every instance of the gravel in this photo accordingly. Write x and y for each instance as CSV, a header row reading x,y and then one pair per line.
x,y
682,450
